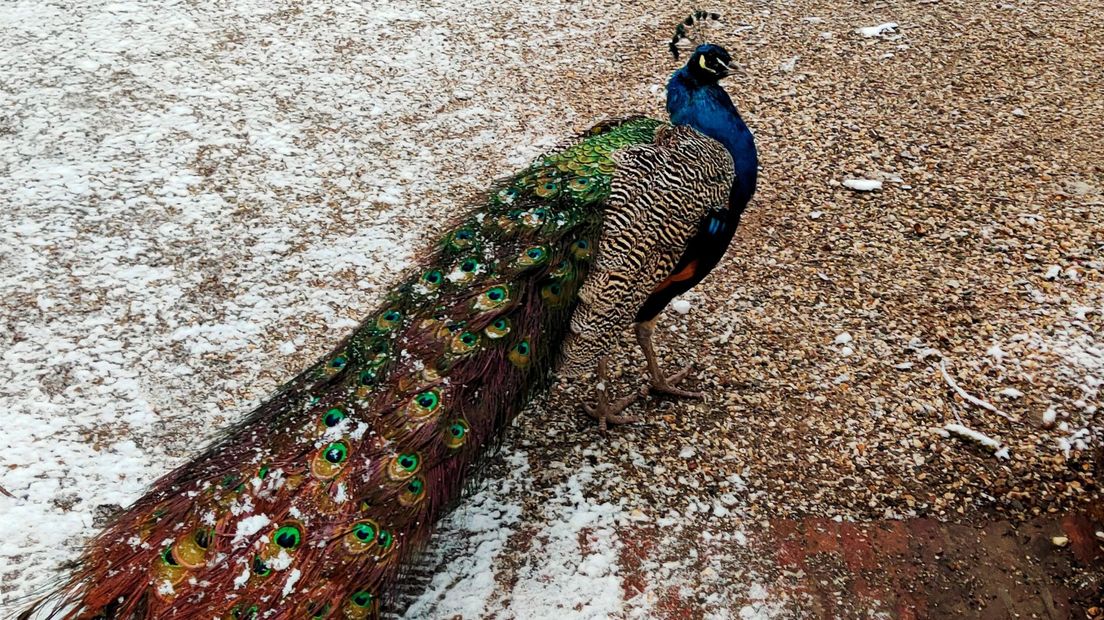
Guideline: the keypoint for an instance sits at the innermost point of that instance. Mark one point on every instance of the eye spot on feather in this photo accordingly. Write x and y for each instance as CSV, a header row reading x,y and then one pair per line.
x,y
260,567
520,355
361,599
413,492
464,342
191,550
433,278
244,612
580,249
385,540
388,320
552,294
337,363
333,417
535,255
456,434
167,557
330,460
423,405
317,610
403,466
462,239
288,537
498,328
494,297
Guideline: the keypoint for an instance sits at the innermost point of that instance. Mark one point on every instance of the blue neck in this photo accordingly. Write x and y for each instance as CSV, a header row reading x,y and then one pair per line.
x,y
708,108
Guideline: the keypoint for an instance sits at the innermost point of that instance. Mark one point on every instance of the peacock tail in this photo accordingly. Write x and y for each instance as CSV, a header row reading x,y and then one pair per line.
x,y
309,507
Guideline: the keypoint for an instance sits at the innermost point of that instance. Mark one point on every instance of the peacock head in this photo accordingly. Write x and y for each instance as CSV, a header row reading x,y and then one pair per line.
x,y
710,63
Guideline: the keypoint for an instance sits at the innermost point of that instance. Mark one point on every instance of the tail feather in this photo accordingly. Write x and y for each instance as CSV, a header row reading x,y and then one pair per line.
x,y
310,507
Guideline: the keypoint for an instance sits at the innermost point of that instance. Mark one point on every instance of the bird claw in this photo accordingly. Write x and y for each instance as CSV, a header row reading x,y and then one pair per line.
x,y
609,413
667,385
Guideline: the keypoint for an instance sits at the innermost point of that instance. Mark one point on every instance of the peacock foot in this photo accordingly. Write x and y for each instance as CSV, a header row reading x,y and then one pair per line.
x,y
666,385
604,411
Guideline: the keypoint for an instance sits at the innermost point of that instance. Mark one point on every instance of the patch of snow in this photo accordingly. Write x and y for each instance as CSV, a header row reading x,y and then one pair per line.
x,y
249,526
681,306
999,450
875,31
862,185
292,579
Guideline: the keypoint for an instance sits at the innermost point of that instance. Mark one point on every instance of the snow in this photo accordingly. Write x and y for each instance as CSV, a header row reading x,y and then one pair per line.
x,y
999,451
249,526
862,185
843,338
682,306
876,31
199,198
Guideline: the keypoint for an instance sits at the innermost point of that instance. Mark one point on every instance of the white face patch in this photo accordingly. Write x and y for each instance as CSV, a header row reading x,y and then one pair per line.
x,y
701,63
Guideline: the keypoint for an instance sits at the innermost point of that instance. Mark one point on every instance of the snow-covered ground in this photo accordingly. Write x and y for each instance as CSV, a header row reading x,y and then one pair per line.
x,y
197,198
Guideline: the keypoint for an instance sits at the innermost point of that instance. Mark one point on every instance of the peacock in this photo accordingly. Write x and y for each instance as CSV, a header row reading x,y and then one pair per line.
x,y
309,507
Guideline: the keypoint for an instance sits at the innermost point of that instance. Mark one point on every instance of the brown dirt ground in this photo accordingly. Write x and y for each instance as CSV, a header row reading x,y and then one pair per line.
x,y
988,119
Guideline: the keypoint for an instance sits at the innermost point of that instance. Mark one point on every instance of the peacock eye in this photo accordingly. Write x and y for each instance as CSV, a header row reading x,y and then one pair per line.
x,y
428,400
339,362
318,611
433,276
523,348
468,338
582,244
167,557
464,235
456,433
245,613
203,538
385,539
409,462
391,316
500,323
469,265
333,417
337,452
260,567
288,537
364,532
361,598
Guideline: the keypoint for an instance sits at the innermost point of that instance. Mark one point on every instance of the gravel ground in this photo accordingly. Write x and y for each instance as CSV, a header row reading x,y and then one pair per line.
x,y
198,200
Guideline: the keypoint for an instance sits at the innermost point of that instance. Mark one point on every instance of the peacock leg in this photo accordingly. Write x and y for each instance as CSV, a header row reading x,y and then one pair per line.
x,y
661,383
605,412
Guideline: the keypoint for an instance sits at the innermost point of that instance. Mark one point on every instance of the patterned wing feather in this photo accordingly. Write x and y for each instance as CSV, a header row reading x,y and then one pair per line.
x,y
660,193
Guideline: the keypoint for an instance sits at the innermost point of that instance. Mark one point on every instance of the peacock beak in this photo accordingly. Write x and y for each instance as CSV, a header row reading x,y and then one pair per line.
x,y
730,69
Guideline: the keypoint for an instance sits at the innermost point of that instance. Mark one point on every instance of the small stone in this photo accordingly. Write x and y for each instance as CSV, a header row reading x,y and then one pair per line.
x,y
862,185
1059,541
